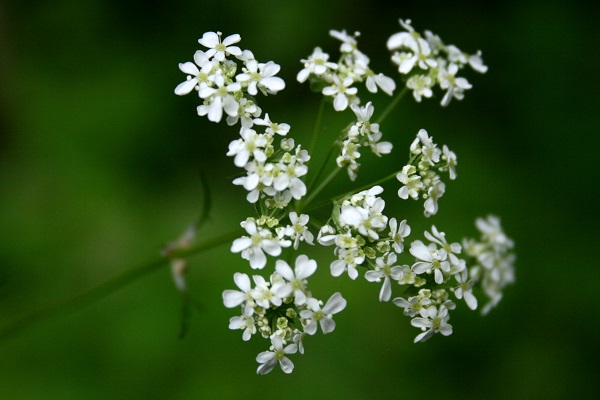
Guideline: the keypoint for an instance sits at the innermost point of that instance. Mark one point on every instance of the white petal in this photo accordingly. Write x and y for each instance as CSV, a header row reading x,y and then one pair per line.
x,y
286,365
271,247
340,102
242,281
471,300
273,84
258,260
421,267
216,110
231,39
402,303
189,68
209,39
446,329
305,268
264,369
284,269
185,87
233,298
240,244
327,325
337,268
386,84
386,290
335,304
424,336
420,251
351,216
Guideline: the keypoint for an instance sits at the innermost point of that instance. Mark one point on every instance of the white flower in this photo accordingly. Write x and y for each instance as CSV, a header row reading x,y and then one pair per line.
x,y
247,110
264,294
326,236
245,322
412,182
261,76
251,144
492,232
430,259
398,233
454,86
298,231
430,153
419,50
348,42
314,313
219,98
451,162
234,298
415,304
342,91
464,289
434,193
195,75
253,248
386,83
272,127
296,279
348,259
452,249
289,178
268,359
316,64
219,49
421,86
385,268
435,321
476,62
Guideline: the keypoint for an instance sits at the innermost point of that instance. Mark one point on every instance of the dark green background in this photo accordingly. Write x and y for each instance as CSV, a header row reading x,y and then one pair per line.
x,y
100,166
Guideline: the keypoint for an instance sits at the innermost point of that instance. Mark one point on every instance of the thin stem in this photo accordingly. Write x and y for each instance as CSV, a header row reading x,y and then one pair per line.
x,y
103,290
392,105
315,135
321,186
321,169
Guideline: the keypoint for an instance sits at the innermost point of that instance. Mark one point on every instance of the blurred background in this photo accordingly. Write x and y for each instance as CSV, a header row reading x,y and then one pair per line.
x,y
100,166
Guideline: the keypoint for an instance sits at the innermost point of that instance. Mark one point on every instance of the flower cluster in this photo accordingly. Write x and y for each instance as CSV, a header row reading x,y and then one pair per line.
x,y
427,62
362,133
492,259
424,274
338,78
420,178
213,75
364,236
282,310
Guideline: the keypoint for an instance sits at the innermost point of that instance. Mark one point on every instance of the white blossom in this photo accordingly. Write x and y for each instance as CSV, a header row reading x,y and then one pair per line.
x,y
386,270
323,316
304,268
277,354
317,64
435,321
220,49
341,91
253,248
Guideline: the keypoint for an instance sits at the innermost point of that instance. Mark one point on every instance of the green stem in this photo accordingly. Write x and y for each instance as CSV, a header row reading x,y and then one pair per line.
x,y
321,169
103,290
315,135
392,105
321,186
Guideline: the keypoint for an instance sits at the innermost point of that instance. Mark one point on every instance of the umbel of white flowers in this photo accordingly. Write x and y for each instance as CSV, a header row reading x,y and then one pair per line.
x,y
279,307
